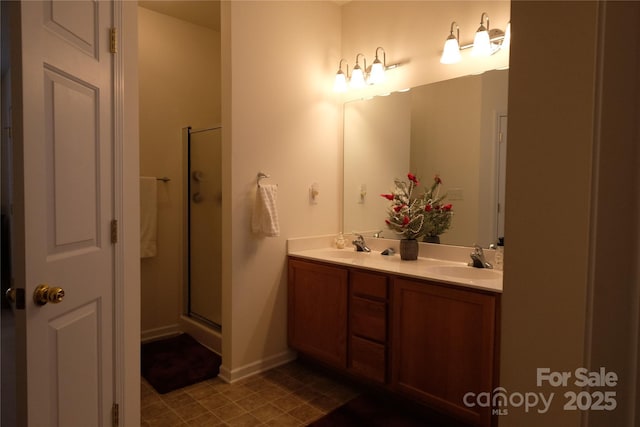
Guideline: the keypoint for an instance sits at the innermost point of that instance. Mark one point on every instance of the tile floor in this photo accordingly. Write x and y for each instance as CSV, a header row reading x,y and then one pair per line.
x,y
290,395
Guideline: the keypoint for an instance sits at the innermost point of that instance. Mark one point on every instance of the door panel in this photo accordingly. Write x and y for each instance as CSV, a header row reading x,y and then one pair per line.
x,y
72,134
75,21
64,206
77,405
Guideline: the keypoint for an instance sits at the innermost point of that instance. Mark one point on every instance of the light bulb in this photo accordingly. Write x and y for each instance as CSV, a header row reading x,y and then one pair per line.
x,y
357,78
377,73
481,43
340,84
451,51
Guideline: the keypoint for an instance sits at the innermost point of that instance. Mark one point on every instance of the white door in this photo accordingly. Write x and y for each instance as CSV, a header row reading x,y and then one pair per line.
x,y
63,206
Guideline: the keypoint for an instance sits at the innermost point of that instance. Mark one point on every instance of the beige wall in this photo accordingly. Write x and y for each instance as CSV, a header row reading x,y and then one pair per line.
x,y
280,117
570,292
179,86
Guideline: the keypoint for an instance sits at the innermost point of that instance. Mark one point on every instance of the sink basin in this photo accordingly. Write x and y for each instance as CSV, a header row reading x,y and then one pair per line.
x,y
346,254
465,272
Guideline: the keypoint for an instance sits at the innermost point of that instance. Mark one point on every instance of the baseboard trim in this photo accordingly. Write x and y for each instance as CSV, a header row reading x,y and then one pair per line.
x,y
206,336
256,367
157,333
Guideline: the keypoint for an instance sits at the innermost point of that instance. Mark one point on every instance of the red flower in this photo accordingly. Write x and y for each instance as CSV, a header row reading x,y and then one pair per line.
x,y
437,179
387,196
405,220
398,208
412,178
427,208
387,221
447,207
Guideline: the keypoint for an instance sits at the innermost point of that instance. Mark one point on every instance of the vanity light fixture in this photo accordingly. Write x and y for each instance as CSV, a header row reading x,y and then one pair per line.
x,y
357,80
486,42
340,84
361,76
451,51
376,75
481,41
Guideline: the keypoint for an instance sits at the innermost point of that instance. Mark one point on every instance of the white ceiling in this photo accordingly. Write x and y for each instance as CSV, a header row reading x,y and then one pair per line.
x,y
199,12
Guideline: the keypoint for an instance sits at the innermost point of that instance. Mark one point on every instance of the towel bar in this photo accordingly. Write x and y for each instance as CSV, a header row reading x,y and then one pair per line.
x,y
260,176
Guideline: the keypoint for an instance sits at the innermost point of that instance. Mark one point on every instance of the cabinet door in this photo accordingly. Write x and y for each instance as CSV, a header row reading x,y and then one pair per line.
x,y
443,346
318,311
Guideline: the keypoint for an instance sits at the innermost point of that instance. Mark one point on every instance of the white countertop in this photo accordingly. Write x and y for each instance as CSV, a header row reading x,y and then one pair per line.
x,y
444,269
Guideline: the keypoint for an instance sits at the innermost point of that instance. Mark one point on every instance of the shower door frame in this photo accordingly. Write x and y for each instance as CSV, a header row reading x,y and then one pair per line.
x,y
186,191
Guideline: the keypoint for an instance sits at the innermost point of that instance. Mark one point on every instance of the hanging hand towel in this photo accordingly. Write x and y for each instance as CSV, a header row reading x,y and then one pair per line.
x,y
148,216
265,214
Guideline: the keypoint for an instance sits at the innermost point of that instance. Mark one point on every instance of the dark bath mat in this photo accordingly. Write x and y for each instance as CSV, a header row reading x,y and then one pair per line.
x,y
177,362
372,410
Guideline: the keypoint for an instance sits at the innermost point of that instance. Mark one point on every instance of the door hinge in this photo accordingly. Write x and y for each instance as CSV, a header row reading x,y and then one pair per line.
x,y
115,415
114,231
113,37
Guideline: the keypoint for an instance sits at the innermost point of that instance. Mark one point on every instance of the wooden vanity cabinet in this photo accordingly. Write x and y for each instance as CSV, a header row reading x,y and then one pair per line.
x,y
368,308
428,341
444,346
317,312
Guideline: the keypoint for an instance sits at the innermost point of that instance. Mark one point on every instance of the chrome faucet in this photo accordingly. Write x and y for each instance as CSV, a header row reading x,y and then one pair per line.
x,y
477,258
360,245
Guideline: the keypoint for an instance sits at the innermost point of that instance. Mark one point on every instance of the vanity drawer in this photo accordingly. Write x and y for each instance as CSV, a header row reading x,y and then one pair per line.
x,y
369,319
368,285
368,359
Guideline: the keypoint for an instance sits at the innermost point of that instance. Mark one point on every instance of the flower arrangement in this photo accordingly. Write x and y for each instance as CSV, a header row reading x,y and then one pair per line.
x,y
406,213
437,215
413,217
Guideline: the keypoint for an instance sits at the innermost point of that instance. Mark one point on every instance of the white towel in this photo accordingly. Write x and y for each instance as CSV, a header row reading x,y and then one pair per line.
x,y
148,216
265,213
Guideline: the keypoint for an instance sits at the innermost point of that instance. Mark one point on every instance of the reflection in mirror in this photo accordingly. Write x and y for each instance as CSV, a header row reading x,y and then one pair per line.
x,y
450,128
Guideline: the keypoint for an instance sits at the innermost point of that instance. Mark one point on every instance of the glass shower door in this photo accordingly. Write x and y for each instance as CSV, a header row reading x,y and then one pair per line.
x,y
204,225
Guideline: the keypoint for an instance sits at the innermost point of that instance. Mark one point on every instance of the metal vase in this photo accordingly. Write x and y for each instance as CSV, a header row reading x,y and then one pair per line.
x,y
409,249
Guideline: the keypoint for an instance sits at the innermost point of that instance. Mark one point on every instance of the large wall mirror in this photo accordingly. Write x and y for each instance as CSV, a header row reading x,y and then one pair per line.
x,y
454,128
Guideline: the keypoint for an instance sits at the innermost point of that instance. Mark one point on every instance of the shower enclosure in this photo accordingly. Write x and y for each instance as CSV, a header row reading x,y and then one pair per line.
x,y
203,224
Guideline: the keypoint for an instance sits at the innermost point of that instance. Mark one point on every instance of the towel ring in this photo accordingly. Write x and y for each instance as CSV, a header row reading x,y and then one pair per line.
x,y
260,176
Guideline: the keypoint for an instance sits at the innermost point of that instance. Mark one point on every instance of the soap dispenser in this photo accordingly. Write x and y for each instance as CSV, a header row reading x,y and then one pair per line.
x,y
340,241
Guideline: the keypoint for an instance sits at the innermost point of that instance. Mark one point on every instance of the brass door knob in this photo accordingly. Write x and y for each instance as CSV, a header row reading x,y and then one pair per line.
x,y
45,294
10,294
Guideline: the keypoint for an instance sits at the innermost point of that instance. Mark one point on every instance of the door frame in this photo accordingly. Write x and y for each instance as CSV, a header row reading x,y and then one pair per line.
x,y
127,212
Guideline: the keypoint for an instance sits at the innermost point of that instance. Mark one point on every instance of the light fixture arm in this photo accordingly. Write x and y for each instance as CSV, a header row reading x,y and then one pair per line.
x,y
365,61
384,57
340,67
482,19
457,36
